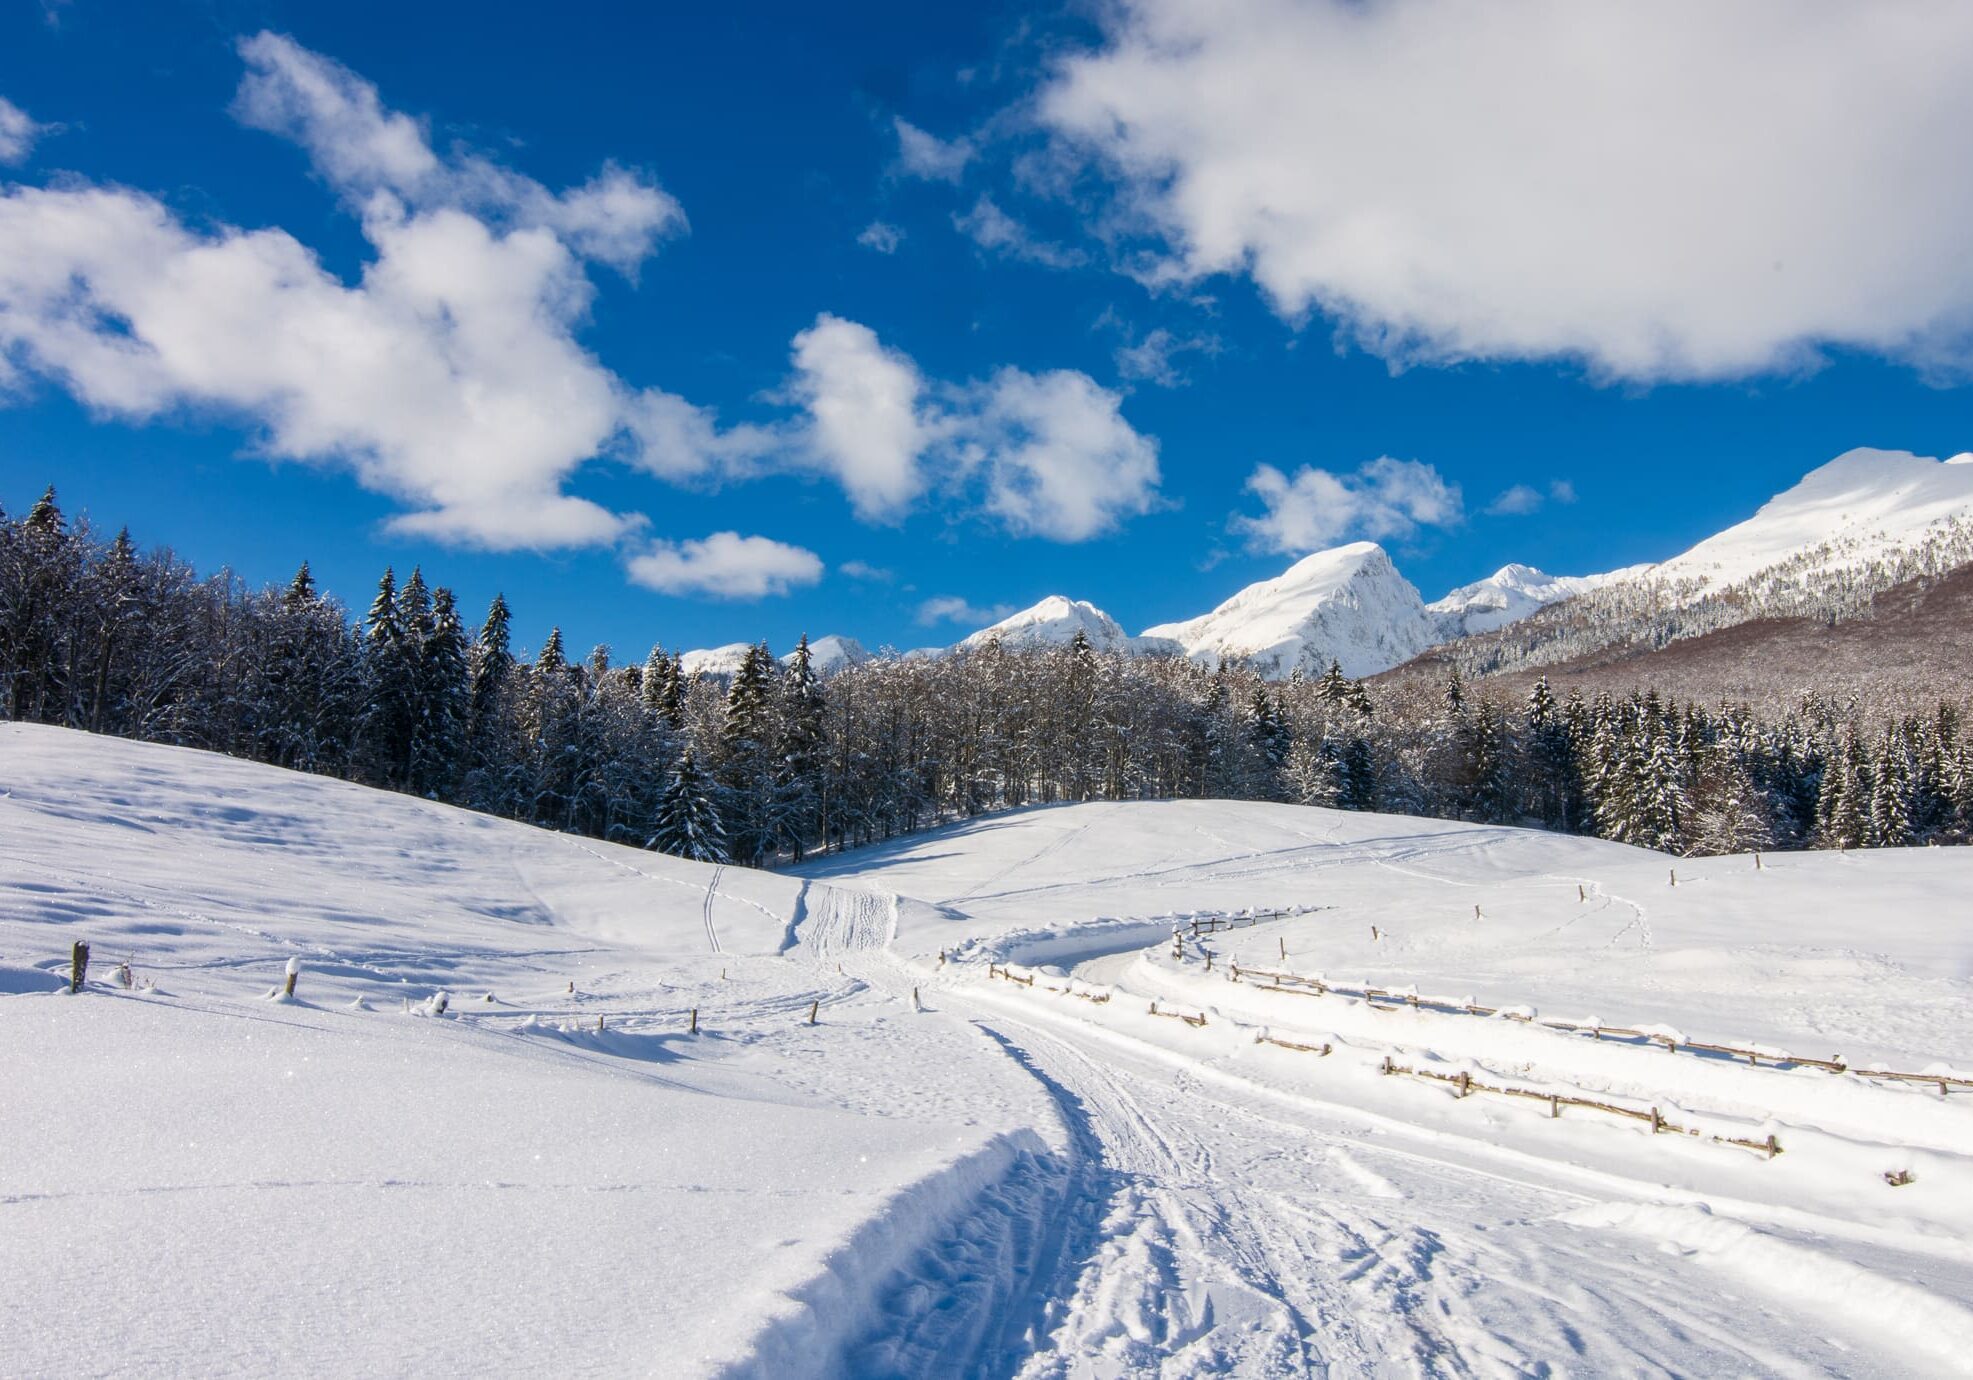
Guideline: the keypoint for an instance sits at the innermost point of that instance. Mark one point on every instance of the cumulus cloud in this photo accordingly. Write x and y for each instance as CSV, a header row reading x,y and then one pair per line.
x,y
1315,508
18,133
1046,455
863,424
724,565
447,375
1684,190
994,230
361,148
1053,454
927,156
863,570
880,236
950,608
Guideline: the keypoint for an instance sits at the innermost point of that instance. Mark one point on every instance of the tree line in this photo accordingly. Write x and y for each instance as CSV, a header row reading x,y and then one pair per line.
x,y
777,762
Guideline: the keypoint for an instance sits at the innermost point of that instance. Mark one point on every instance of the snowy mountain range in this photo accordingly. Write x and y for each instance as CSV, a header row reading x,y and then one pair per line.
x,y
1350,603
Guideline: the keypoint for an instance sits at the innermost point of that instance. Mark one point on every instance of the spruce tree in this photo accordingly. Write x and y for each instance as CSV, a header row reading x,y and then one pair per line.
x,y
688,823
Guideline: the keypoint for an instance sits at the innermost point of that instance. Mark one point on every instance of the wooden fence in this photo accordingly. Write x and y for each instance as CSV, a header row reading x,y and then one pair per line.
x,y
1296,984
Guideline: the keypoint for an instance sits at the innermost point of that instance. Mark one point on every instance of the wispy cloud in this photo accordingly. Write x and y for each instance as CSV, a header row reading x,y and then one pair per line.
x,y
927,156
950,608
994,230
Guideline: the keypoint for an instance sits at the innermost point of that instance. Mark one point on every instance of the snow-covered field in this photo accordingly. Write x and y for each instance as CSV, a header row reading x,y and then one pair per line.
x,y
951,1172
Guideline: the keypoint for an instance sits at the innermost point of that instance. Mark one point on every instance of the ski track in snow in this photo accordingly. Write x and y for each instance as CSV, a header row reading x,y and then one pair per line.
x,y
1084,1191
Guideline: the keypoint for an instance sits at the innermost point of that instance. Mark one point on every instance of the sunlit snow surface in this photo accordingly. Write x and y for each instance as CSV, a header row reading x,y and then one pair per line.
x,y
199,1179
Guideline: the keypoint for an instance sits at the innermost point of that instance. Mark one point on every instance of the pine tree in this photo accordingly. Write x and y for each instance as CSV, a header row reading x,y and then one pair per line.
x,y
746,759
438,747
801,802
688,824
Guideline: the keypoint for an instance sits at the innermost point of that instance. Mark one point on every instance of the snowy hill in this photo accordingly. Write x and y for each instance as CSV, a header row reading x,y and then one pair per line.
x,y
1862,506
1814,560
827,655
484,1132
1348,604
1510,594
1054,622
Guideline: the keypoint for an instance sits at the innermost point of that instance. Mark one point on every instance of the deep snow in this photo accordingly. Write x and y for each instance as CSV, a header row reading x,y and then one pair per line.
x,y
952,1173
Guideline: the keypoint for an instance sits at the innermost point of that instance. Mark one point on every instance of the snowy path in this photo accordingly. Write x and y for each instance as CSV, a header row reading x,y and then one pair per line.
x,y
725,1123
1199,1231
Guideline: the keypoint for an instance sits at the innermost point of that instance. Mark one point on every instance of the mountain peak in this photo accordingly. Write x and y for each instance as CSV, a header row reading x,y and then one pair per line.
x,y
1054,621
1347,604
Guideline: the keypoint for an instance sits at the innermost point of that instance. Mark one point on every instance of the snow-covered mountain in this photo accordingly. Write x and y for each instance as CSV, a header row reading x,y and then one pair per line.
x,y
1863,506
1346,604
1054,622
827,655
1351,604
1510,594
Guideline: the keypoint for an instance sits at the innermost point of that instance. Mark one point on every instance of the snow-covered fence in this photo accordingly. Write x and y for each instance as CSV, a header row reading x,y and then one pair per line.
x,y
1238,920
78,965
1295,984
1197,1018
1467,1085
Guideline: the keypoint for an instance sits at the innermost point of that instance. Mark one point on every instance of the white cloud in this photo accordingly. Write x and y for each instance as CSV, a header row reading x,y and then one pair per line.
x,y
361,148
1053,454
1516,500
950,608
1678,190
863,424
447,375
1316,508
880,236
926,155
863,570
724,565
18,133
993,229
1153,359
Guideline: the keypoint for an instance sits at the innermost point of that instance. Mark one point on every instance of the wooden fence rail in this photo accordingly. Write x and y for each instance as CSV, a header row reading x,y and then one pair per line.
x,y
1467,1085
1295,984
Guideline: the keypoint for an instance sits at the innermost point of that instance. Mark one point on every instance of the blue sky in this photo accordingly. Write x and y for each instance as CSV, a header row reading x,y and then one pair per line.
x,y
961,303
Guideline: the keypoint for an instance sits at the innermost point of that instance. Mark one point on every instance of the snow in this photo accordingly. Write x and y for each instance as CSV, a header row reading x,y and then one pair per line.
x,y
1054,622
1097,1168
1510,594
1346,604
827,655
1864,504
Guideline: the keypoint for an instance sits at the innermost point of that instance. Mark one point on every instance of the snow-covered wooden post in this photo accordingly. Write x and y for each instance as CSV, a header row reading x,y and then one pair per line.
x,y
695,1021
78,965
294,971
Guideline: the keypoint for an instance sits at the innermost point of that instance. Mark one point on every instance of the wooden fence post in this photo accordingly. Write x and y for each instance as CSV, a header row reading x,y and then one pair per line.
x,y
294,971
695,1021
78,966
814,1007
1284,948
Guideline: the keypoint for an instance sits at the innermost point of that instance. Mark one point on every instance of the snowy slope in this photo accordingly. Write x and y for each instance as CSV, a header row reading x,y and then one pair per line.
x,y
201,1181
1510,594
1861,506
1054,622
1347,604
952,1173
827,655
1861,957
